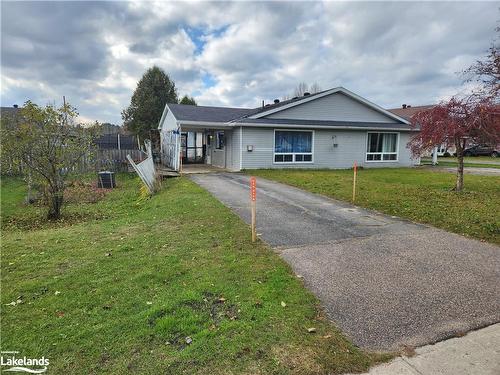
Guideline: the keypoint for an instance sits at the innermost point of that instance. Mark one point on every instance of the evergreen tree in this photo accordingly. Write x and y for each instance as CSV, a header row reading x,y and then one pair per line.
x,y
153,91
189,100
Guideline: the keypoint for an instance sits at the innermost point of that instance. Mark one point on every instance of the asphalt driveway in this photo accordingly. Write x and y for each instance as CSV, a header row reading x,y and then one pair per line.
x,y
384,281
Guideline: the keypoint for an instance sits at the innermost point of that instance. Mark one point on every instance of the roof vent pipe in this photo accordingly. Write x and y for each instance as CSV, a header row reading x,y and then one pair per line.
x,y
404,106
307,93
276,101
262,104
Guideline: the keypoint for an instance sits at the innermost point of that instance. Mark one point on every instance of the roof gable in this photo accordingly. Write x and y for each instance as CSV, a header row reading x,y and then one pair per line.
x,y
337,104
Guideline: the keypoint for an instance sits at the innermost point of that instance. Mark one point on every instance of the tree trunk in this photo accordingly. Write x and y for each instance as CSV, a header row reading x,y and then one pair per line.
x,y
55,204
459,185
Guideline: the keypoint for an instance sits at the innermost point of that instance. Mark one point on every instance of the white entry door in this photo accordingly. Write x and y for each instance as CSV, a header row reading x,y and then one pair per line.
x,y
218,149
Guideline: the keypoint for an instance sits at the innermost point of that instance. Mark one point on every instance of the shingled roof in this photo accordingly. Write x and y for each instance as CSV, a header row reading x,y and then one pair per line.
x,y
408,111
184,112
9,111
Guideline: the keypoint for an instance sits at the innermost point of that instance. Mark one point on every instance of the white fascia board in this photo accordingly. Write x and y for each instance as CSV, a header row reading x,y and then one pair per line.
x,y
328,127
206,124
326,93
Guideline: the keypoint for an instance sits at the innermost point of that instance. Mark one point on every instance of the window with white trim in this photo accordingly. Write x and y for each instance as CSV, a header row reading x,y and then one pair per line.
x,y
382,147
292,146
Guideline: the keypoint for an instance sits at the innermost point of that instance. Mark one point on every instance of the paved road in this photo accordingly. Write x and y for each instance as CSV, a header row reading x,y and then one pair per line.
x,y
386,282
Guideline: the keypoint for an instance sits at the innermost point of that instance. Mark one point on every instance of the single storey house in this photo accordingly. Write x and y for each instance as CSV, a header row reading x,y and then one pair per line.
x,y
407,111
330,129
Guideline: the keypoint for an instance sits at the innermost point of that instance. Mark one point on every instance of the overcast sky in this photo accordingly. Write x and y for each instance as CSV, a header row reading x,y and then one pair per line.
x,y
238,54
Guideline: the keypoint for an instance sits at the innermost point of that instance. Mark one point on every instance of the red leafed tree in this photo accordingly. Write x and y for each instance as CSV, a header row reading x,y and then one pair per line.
x,y
461,122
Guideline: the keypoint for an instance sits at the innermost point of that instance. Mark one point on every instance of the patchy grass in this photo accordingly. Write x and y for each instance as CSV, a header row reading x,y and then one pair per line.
x,y
416,194
16,214
125,288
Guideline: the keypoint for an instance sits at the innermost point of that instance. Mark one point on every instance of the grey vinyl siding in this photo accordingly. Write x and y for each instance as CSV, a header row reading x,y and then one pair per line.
x,y
351,146
338,107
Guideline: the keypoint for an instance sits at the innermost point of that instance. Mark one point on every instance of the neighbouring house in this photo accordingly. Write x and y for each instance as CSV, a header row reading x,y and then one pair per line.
x,y
9,111
406,111
329,129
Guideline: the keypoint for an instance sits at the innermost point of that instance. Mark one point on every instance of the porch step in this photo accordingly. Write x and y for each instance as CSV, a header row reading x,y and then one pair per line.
x,y
166,172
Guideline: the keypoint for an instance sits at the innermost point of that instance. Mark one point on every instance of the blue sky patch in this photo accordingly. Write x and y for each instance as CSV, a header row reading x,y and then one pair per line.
x,y
208,80
198,34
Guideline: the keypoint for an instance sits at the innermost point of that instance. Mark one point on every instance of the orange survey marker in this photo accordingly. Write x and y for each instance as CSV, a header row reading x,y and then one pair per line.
x,y
253,198
253,188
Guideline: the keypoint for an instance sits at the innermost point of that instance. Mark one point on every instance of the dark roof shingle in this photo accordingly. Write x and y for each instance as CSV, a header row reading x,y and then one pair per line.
x,y
408,112
184,112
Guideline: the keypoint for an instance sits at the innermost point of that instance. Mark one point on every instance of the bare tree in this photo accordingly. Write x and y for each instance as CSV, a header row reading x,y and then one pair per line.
x,y
315,88
487,71
301,88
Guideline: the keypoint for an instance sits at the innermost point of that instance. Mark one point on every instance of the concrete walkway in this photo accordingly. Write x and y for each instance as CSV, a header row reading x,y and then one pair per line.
x,y
386,282
476,353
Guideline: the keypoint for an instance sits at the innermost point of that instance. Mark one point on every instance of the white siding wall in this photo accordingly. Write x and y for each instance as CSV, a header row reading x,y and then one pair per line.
x,y
334,107
169,123
351,147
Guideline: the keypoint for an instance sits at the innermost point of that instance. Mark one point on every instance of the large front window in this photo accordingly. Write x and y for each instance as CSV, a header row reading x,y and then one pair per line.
x,y
292,146
382,147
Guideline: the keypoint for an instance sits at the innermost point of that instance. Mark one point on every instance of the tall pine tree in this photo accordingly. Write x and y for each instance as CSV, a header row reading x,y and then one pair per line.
x,y
153,91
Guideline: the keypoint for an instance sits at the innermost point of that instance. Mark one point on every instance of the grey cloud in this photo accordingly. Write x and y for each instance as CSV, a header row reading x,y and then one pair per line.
x,y
389,52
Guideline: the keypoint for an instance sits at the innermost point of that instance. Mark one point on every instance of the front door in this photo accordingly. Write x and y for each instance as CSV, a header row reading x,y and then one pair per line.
x,y
218,149
192,149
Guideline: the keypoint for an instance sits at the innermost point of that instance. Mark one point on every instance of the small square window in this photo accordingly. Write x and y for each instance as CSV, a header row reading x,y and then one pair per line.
x,y
307,157
288,158
278,158
299,157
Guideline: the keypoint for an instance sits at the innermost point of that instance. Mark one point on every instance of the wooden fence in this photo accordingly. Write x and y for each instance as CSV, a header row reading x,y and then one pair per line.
x,y
100,160
110,160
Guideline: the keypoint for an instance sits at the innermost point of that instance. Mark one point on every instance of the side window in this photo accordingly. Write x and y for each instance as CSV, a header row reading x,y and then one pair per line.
x,y
219,140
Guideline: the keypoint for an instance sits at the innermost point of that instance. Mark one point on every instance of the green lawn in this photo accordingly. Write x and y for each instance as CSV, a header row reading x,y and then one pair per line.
x,y
417,194
117,286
